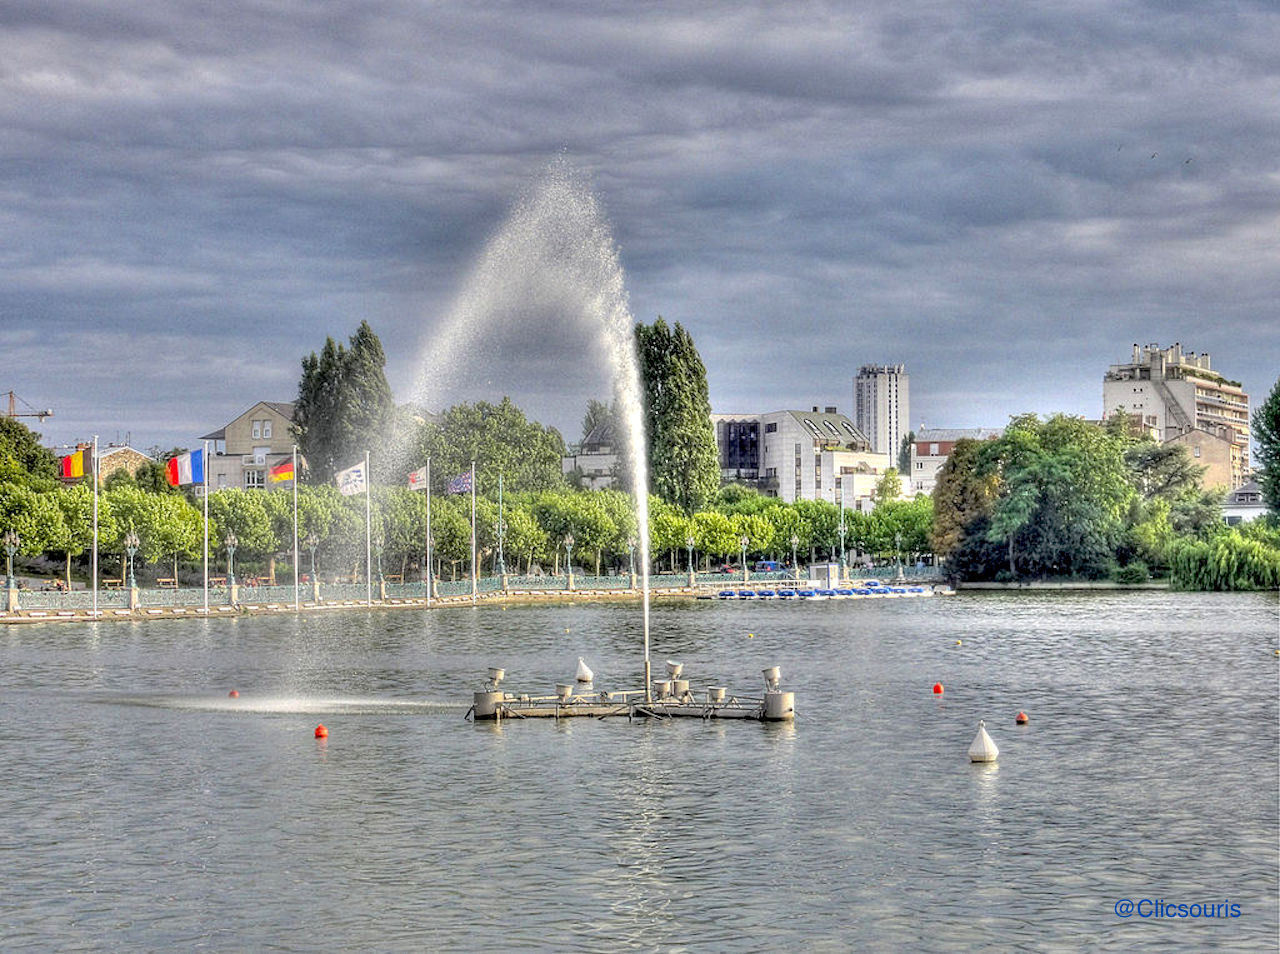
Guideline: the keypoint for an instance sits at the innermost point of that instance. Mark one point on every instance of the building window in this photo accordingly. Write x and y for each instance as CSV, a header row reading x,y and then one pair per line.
x,y
933,449
254,478
1196,451
257,430
266,430
771,427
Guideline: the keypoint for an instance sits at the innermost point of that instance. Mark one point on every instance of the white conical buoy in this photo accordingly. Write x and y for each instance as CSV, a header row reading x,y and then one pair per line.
x,y
983,748
584,672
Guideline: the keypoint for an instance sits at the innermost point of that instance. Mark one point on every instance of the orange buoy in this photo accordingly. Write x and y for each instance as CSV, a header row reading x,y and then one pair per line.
x,y
937,688
322,732
1022,718
234,694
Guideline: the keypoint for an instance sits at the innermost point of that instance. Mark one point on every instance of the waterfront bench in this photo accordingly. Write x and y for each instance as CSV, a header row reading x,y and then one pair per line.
x,y
113,584
167,582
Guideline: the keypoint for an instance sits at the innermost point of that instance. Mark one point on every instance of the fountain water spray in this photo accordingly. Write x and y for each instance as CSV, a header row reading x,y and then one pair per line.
x,y
554,254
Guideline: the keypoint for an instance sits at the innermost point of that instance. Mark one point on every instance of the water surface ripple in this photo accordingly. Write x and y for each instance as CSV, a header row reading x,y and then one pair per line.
x,y
145,809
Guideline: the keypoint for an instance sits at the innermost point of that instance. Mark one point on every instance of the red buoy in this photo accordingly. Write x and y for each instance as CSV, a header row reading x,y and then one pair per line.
x,y
234,694
1022,719
937,688
322,732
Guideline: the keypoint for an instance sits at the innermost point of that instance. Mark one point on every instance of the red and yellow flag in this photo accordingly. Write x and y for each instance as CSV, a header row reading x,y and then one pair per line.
x,y
76,465
281,472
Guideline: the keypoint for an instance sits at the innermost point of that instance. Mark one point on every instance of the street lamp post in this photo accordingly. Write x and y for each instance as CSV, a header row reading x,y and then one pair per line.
x,y
311,543
744,541
631,560
842,534
795,562
11,543
568,549
897,540
131,544
230,541
688,543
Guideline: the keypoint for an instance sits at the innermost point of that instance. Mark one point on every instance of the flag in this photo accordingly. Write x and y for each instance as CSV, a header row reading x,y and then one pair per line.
x,y
281,472
418,479
351,481
76,465
186,469
460,484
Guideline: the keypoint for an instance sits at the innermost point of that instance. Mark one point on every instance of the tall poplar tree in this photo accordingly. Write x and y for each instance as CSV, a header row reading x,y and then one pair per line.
x,y
684,465
344,403
1266,431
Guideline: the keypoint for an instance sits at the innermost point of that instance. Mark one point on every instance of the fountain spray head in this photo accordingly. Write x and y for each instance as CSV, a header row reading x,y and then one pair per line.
x,y
674,669
496,676
772,677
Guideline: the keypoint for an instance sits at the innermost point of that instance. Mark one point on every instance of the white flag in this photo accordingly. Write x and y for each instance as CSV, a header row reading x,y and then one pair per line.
x,y
351,481
418,479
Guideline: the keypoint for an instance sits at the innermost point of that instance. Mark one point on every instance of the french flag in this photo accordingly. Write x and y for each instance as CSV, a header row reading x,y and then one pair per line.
x,y
186,469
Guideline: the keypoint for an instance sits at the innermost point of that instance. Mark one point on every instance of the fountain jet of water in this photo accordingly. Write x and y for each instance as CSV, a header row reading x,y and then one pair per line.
x,y
555,253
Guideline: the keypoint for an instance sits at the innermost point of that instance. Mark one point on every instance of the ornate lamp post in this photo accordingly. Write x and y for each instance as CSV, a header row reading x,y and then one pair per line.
x,y
795,563
230,541
311,543
568,549
379,542
631,560
11,543
688,543
131,544
744,541
501,565
897,540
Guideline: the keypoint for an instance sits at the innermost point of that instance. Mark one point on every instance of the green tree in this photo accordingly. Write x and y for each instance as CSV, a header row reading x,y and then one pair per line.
x,y
501,440
963,500
244,513
1064,492
35,517
888,487
1266,431
344,404
22,457
904,452
684,464
76,505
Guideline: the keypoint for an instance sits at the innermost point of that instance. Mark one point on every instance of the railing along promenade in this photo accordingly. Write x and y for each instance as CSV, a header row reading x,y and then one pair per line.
x,y
154,600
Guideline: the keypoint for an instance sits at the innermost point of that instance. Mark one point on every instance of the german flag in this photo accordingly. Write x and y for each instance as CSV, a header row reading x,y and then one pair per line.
x,y
281,472
76,465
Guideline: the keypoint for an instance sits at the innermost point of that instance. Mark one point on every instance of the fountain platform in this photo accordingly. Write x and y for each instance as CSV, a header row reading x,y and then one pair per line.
x,y
667,699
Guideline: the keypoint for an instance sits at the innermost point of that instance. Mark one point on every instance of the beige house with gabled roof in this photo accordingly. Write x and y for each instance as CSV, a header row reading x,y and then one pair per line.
x,y
242,451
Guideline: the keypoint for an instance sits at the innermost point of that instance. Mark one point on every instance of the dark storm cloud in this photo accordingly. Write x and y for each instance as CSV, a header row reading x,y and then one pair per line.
x,y
1002,196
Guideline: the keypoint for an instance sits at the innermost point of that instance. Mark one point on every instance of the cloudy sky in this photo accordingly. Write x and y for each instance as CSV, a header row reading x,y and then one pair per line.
x,y
1004,196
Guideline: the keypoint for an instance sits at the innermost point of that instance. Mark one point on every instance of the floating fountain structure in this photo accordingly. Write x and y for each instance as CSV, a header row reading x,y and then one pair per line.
x,y
556,252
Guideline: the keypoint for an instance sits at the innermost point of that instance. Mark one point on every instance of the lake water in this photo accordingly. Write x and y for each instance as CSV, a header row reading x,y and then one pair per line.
x,y
144,809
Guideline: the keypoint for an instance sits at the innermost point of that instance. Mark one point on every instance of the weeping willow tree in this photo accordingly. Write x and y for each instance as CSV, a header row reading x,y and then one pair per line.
x,y
1232,560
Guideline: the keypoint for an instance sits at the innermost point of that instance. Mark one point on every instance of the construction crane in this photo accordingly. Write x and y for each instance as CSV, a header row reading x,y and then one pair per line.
x,y
14,412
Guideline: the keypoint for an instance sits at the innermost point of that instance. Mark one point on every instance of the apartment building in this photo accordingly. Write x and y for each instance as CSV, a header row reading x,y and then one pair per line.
x,y
1177,393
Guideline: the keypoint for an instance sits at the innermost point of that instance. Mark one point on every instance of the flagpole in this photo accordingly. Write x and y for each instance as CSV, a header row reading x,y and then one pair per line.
x,y
94,568
204,466
474,578
368,537
297,598
430,571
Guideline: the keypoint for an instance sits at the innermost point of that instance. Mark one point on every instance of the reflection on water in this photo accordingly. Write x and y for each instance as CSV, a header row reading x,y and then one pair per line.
x,y
150,810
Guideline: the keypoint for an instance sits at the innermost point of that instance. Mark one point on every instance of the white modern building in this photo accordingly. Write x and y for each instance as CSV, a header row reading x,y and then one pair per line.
x,y
932,447
1177,393
882,405
800,455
